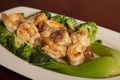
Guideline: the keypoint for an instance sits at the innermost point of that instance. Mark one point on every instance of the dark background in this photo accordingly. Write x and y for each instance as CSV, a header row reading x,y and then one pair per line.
x,y
105,13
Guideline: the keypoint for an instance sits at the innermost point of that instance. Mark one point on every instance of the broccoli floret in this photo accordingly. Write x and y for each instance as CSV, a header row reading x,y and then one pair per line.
x,y
60,19
25,52
91,29
9,40
71,23
46,13
40,58
13,43
4,35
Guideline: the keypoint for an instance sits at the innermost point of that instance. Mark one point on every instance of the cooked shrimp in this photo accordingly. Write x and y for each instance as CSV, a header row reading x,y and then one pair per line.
x,y
52,23
75,55
75,52
11,22
40,18
55,51
26,30
46,40
16,17
81,37
49,27
56,44
35,39
61,37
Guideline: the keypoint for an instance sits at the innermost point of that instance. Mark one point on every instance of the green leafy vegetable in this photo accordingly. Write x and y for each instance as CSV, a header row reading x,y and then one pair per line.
x,y
103,50
98,68
91,29
39,57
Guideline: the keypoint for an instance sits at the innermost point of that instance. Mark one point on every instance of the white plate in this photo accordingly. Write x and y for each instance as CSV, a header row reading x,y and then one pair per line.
x,y
24,68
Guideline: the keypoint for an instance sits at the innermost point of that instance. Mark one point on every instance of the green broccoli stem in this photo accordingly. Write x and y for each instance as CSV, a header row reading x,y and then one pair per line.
x,y
99,68
103,50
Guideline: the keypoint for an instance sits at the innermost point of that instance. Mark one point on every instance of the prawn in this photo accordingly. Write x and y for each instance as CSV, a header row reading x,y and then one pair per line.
x,y
61,37
75,55
11,22
26,30
54,24
40,18
34,40
55,51
49,26
75,52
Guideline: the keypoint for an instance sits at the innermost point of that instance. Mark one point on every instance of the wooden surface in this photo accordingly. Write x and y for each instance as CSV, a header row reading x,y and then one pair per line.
x,y
105,13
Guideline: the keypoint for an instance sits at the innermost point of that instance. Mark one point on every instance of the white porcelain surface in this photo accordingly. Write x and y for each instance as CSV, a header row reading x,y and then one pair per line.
x,y
24,68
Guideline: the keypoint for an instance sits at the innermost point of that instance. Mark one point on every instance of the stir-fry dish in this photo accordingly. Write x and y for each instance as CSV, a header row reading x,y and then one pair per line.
x,y
57,43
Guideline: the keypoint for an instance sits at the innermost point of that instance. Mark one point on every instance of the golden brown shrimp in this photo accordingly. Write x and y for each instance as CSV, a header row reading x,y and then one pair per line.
x,y
34,40
52,23
40,18
61,37
75,52
49,27
11,22
26,30
16,17
55,51
81,37
75,55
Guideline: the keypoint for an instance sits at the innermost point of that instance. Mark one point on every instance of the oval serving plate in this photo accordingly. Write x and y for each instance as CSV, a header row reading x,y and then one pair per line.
x,y
14,63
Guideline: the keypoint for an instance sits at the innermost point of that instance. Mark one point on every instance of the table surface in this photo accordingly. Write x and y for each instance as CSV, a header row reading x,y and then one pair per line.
x,y
105,13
